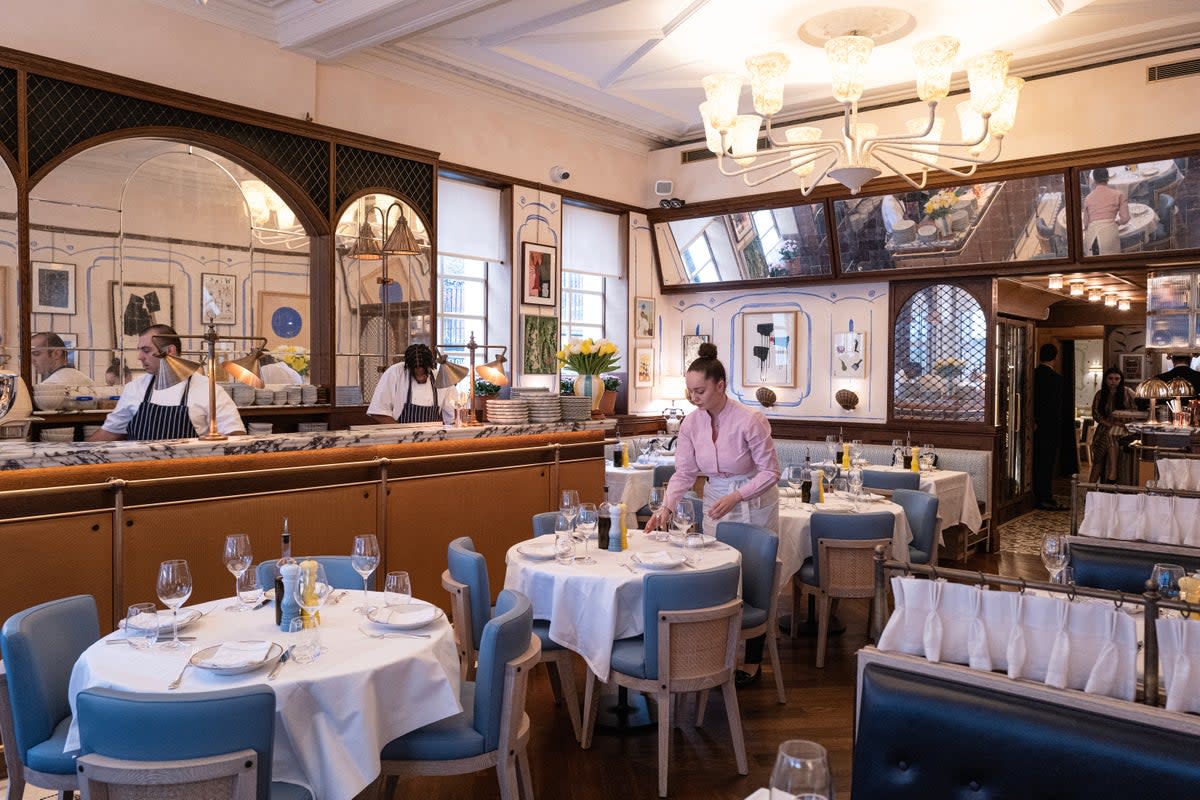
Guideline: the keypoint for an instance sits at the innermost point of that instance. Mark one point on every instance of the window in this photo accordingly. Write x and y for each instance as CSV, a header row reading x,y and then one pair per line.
x,y
768,234
582,306
698,259
462,304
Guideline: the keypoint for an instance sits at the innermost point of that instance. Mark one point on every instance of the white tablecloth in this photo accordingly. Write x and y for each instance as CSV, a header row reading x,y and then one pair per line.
x,y
333,715
590,606
1125,180
1142,221
630,486
957,502
795,521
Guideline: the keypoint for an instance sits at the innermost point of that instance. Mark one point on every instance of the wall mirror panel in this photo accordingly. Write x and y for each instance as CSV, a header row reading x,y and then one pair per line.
x,y
1150,206
144,231
746,245
10,350
940,366
383,278
979,223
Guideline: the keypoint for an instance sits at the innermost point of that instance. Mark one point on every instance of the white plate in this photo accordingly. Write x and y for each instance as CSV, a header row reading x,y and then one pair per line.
x,y
201,660
663,560
165,623
539,551
416,614
642,466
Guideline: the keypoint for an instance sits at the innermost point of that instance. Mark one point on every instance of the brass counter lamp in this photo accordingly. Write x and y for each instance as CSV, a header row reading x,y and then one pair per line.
x,y
399,241
450,373
175,368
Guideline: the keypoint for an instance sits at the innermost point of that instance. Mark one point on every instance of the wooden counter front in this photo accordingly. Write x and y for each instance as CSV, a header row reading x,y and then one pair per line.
x,y
102,529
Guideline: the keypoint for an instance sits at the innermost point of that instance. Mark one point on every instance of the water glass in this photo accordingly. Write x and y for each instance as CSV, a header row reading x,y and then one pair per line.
x,y
926,454
141,625
397,589
174,587
237,558
1166,579
305,641
365,558
897,452
249,593
1054,553
801,772
1065,576
564,547
586,526
695,546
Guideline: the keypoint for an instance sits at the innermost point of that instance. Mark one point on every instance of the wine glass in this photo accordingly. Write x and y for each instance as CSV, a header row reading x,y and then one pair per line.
x,y
794,475
855,480
237,560
897,452
569,505
365,558
1054,553
926,454
684,517
174,588
397,589
644,450
586,525
856,451
1166,579
801,771
658,495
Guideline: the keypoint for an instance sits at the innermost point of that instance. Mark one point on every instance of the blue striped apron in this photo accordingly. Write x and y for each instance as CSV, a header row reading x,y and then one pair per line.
x,y
153,421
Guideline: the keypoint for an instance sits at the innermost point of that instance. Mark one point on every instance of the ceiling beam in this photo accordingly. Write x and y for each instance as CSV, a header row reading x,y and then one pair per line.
x,y
651,43
546,21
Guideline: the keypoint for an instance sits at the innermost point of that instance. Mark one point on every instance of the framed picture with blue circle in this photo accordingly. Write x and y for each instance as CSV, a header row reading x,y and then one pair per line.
x,y
283,319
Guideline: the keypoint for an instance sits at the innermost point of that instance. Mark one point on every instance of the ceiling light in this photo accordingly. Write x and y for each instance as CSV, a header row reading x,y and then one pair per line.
x,y
1094,294
1110,300
855,157
1123,304
1076,288
1055,281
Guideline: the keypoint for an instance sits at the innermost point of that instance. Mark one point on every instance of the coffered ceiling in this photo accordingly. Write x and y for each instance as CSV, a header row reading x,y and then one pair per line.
x,y
636,65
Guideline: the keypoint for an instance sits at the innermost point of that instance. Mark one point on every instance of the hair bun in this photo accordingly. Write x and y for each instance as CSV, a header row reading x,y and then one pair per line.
x,y
707,350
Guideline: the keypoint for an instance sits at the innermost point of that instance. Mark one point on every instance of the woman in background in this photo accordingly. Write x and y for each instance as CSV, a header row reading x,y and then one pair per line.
x,y
1114,395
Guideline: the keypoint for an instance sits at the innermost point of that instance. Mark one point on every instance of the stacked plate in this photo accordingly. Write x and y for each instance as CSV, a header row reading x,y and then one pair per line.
x,y
507,412
904,232
965,203
308,394
259,428
927,233
263,397
544,408
58,434
312,427
575,409
958,221
524,392
242,394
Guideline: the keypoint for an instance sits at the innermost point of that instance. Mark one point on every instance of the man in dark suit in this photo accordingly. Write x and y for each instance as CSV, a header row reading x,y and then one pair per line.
x,y
1181,368
1048,426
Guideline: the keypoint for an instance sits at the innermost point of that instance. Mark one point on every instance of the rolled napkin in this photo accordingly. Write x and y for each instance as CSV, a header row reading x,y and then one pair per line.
x,y
239,654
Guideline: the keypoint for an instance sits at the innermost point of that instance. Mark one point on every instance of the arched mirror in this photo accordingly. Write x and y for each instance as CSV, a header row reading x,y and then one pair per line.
x,y
383,279
10,349
940,363
144,231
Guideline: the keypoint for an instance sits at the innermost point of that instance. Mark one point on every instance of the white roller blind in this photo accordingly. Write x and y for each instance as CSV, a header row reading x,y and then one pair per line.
x,y
469,221
592,241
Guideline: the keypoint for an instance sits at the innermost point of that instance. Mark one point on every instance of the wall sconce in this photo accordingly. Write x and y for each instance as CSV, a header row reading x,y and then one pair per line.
x,y
766,397
1054,281
1076,288
846,399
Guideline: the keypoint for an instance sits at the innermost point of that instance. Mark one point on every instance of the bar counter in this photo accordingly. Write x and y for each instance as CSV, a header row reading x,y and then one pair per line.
x,y
98,518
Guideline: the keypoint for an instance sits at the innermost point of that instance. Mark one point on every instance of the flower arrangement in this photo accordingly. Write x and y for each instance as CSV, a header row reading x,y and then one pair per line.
x,y
566,386
612,383
297,358
588,357
941,204
485,388
949,367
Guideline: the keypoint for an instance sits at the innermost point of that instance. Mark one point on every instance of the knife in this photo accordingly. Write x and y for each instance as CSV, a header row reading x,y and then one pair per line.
x,y
121,640
279,664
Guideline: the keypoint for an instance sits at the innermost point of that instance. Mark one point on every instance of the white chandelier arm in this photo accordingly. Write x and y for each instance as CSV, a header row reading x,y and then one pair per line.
x,y
785,157
784,162
958,173
805,191
904,150
902,137
775,145
901,173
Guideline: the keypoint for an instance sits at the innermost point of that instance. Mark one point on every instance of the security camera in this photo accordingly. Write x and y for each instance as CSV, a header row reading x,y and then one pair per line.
x,y
671,202
559,174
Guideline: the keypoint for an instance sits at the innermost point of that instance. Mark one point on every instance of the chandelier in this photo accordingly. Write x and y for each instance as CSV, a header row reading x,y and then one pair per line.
x,y
851,160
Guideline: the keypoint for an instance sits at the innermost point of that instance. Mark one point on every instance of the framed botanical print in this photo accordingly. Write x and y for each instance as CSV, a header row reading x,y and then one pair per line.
x,y
643,367
768,349
539,274
218,298
540,345
643,319
691,348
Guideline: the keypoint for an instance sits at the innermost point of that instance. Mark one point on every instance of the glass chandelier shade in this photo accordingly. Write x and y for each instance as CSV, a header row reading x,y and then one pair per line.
x,y
766,81
934,59
848,60
986,75
722,92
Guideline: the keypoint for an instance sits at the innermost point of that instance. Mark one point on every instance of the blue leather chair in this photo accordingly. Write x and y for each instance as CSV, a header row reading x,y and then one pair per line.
x,y
40,646
921,510
466,580
760,586
139,730
694,611
860,533
477,738
338,572
543,524
884,479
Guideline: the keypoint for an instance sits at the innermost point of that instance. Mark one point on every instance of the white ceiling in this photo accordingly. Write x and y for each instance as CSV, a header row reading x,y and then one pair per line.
x,y
637,64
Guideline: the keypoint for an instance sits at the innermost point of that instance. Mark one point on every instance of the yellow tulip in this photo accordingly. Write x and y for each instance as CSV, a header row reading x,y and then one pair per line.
x,y
586,347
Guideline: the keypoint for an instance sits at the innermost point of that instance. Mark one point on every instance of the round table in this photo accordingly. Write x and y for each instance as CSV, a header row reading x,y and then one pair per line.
x,y
591,606
333,715
795,522
1129,178
1142,221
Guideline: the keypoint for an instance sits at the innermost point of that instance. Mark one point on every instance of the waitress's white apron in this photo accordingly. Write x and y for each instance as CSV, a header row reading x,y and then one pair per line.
x,y
1106,234
762,511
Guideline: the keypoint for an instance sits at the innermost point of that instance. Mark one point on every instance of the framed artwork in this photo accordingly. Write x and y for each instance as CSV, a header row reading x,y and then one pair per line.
x,y
53,288
755,260
643,367
850,355
539,345
769,349
218,298
135,307
691,348
643,317
283,319
742,225
1133,367
539,274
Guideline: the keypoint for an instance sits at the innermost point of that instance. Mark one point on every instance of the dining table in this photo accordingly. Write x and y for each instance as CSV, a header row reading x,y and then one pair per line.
x,y
1129,178
1135,232
630,485
795,524
957,501
589,606
333,715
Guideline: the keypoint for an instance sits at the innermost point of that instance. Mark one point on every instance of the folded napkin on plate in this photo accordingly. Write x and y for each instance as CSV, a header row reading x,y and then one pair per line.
x,y
236,654
543,548
657,559
410,614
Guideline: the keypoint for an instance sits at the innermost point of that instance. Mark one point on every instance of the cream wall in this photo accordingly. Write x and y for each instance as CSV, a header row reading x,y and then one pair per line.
x,y
1062,114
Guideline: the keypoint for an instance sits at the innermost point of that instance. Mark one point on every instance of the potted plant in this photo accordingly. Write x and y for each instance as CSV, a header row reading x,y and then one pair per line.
x,y
566,386
589,358
483,391
608,403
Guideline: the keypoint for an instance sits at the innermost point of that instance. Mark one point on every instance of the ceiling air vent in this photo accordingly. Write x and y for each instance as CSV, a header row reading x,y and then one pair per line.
x,y
1179,69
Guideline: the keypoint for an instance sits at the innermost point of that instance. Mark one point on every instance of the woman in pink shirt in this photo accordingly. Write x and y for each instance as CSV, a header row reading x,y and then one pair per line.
x,y
1104,211
731,446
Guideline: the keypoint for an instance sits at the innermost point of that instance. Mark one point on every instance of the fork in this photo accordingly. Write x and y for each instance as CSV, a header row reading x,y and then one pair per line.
x,y
397,635
626,565
178,680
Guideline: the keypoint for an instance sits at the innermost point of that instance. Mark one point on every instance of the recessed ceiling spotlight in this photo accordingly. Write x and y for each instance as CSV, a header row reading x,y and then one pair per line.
x,y
1110,300
1123,304
1055,281
1076,288
1094,294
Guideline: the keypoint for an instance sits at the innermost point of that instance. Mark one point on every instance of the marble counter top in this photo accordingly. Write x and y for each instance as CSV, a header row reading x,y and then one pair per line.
x,y
30,455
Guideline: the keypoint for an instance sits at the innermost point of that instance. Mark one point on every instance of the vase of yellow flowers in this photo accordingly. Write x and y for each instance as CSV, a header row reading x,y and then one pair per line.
x,y
939,207
589,358
298,358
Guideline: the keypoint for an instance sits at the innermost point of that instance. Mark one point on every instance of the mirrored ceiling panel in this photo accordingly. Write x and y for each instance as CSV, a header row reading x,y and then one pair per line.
x,y
766,244
1143,207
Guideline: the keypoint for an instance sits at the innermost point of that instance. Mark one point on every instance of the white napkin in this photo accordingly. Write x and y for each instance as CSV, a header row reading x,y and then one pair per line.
x,y
408,614
659,559
237,654
538,548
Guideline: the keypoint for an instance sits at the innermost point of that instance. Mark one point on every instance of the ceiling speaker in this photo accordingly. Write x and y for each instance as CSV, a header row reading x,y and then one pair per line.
x,y
664,188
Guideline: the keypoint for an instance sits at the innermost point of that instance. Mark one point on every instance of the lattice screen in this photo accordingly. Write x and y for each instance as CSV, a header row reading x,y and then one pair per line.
x,y
8,110
941,356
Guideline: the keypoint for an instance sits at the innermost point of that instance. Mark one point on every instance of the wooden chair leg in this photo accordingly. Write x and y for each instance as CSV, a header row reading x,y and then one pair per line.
x,y
773,653
555,682
564,671
664,742
823,611
734,714
591,707
506,774
797,600
701,707
523,776
389,785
